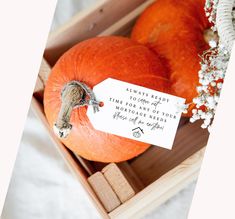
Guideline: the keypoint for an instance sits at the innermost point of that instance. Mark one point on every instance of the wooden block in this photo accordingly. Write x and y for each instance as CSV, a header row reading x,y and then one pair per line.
x,y
118,182
161,190
104,191
43,74
131,176
44,71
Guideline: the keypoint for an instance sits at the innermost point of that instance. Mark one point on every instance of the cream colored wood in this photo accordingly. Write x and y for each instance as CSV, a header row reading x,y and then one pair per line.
x,y
43,74
87,24
68,157
162,189
156,161
131,176
118,182
104,191
44,71
123,26
86,164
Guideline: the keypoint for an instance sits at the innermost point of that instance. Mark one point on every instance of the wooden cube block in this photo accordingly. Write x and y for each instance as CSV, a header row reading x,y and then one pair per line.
x,y
43,74
118,182
104,191
131,176
44,71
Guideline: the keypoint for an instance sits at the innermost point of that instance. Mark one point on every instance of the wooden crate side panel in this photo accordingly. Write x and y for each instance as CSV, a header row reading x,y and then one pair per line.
x,y
70,160
124,25
140,213
131,176
157,161
162,189
87,24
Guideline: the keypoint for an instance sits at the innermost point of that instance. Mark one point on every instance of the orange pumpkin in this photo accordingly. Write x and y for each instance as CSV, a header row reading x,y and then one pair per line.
x,y
175,30
91,62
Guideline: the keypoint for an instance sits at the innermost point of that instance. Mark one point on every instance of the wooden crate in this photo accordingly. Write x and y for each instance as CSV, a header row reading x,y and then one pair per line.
x,y
159,173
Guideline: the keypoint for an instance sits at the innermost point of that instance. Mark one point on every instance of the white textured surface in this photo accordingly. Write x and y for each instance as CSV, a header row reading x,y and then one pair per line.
x,y
42,186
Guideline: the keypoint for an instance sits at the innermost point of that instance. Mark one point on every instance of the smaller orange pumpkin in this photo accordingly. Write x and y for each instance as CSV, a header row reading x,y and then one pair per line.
x,y
175,30
89,63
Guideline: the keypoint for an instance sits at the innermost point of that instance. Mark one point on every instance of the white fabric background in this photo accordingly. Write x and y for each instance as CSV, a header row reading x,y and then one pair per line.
x,y
42,186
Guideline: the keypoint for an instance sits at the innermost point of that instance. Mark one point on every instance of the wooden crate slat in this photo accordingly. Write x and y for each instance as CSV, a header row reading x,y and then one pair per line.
x,y
87,165
76,169
43,74
157,161
131,176
162,189
123,26
44,71
87,24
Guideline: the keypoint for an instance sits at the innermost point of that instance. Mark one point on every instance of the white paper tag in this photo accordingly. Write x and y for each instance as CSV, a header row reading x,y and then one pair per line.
x,y
136,112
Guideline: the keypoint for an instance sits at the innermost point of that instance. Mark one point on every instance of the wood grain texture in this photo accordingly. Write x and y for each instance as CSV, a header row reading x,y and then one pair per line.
x,y
44,71
75,167
131,176
118,182
157,161
124,25
87,165
104,191
162,189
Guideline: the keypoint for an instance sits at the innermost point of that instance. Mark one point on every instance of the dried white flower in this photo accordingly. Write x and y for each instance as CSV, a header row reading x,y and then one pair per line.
x,y
213,67
182,108
212,43
214,64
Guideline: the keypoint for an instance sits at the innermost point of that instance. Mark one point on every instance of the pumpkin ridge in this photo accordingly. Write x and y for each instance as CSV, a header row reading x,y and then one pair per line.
x,y
114,54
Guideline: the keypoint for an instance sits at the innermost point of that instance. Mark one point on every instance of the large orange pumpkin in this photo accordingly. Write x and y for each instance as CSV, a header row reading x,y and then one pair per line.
x,y
175,29
91,62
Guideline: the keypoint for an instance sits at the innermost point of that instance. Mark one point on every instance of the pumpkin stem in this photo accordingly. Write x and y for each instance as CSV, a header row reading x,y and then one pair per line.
x,y
211,37
71,95
74,94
